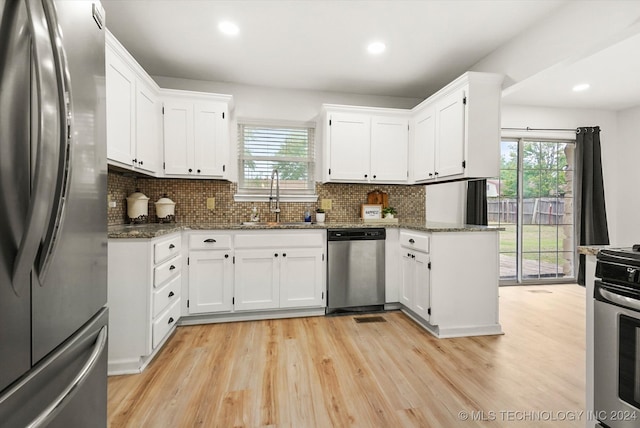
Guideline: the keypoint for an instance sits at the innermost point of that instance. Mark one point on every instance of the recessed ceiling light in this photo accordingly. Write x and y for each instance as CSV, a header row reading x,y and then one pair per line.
x,y
581,87
228,28
376,48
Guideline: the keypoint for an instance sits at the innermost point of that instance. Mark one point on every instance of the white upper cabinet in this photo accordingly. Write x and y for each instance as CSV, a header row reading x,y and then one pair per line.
x,y
389,144
148,136
349,147
456,132
196,134
121,92
449,154
423,137
365,145
133,112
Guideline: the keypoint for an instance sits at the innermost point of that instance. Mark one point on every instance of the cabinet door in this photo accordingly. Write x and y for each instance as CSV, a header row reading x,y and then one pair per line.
x,y
210,139
422,285
349,147
210,281
389,146
178,137
257,279
424,145
148,140
407,280
301,278
450,134
121,92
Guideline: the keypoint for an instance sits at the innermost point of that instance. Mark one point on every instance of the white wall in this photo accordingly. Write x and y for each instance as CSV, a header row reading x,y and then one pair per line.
x,y
627,214
256,102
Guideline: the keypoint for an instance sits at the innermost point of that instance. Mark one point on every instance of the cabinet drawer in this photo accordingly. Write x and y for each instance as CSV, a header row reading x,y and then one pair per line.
x,y
166,270
415,241
166,249
165,322
209,241
167,294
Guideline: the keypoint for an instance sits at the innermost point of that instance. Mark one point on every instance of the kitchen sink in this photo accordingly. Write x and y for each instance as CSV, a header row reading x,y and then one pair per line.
x,y
282,223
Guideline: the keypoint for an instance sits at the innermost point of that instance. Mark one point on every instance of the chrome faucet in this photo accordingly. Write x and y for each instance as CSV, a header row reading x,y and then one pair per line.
x,y
275,209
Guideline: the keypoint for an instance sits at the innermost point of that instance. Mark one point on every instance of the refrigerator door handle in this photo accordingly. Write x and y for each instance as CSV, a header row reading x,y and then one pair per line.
x,y
64,166
47,85
60,401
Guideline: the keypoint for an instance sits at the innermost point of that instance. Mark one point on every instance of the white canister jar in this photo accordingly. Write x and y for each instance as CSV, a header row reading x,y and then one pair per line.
x,y
165,208
137,206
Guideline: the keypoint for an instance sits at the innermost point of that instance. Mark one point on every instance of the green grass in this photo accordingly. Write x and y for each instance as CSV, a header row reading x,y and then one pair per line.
x,y
538,241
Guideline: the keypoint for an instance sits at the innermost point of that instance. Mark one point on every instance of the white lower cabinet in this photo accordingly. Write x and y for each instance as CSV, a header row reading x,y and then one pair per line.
x,y
144,284
255,271
290,275
449,281
210,265
210,281
257,283
415,285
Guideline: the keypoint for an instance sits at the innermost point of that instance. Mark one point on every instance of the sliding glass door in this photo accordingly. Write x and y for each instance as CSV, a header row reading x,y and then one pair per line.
x,y
533,201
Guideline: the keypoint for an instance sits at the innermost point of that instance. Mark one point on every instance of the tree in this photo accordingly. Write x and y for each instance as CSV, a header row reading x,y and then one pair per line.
x,y
543,165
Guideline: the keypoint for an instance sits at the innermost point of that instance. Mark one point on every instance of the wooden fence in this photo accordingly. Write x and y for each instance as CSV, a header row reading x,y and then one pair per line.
x,y
535,210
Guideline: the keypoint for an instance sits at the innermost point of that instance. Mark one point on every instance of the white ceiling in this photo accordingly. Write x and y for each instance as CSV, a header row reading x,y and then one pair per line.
x,y
613,74
321,44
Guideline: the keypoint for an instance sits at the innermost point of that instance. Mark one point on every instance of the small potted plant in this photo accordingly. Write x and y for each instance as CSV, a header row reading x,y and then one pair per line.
x,y
389,212
320,215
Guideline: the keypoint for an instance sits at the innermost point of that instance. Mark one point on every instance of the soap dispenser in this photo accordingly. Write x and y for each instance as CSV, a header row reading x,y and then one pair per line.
x,y
307,214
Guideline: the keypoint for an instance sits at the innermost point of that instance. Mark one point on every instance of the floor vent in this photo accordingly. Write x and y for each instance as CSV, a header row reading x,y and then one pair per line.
x,y
540,291
369,319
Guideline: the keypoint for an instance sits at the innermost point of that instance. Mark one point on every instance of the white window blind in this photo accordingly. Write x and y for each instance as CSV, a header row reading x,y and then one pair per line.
x,y
289,149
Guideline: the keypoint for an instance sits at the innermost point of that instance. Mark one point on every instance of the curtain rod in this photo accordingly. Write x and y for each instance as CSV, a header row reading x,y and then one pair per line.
x,y
542,129
576,130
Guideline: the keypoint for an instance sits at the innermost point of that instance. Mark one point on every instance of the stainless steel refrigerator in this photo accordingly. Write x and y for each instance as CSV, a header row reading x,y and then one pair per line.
x,y
53,238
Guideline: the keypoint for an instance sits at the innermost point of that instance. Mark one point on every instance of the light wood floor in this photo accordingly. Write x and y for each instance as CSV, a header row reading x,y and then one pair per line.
x,y
334,372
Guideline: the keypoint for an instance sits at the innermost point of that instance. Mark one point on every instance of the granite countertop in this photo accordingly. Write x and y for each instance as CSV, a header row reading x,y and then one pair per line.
x,y
592,250
153,230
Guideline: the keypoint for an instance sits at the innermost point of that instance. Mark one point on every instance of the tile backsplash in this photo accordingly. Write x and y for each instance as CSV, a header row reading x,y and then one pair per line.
x,y
191,196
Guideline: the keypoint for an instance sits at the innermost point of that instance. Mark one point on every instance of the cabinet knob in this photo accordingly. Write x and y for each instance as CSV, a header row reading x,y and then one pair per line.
x,y
413,256
135,161
430,174
190,170
411,241
275,255
284,254
141,163
172,267
171,294
198,171
408,254
171,246
226,256
209,240
366,175
374,176
436,172
170,320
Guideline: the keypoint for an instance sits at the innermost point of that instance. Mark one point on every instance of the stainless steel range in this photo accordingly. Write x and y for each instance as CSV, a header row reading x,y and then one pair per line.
x,y
617,338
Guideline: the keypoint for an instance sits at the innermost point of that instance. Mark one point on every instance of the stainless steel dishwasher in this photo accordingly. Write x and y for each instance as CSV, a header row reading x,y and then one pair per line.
x,y
355,266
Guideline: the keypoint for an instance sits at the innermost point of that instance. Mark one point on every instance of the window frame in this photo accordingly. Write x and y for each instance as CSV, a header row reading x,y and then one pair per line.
x,y
248,194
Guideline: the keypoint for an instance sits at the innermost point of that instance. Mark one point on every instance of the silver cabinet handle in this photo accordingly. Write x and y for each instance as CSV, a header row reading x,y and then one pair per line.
x,y
60,401
48,120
